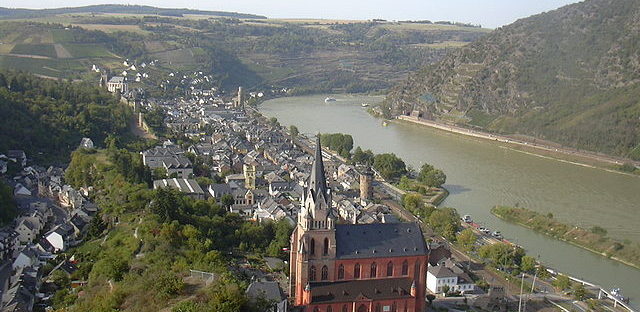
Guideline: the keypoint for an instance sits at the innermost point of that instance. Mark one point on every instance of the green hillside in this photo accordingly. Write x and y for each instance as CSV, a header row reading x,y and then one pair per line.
x,y
48,118
117,8
304,56
570,75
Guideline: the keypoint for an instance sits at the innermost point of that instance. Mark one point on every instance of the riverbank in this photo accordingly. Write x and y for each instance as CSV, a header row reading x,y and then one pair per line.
x,y
594,240
557,152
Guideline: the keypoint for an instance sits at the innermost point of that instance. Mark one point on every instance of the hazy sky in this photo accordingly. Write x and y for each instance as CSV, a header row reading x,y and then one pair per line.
x,y
489,13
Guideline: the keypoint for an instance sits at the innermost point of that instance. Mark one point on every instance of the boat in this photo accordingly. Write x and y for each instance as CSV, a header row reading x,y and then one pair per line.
x,y
467,219
384,123
365,105
329,99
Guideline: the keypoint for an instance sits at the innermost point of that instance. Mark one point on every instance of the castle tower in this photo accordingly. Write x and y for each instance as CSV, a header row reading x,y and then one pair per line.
x,y
366,189
239,102
313,243
104,78
249,171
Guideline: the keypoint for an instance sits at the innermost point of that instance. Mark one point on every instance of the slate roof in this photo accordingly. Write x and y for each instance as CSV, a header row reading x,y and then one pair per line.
x,y
349,291
379,240
265,289
440,271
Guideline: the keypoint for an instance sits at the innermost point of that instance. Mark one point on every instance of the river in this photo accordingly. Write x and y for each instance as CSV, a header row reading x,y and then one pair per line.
x,y
482,174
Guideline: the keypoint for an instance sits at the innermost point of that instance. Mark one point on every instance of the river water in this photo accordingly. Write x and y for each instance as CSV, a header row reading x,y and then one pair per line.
x,y
482,174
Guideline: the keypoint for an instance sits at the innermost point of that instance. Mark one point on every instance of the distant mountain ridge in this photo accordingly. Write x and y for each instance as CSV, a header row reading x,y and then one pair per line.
x,y
9,13
571,75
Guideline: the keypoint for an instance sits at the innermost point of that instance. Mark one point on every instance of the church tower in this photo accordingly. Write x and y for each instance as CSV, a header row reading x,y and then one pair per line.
x,y
313,243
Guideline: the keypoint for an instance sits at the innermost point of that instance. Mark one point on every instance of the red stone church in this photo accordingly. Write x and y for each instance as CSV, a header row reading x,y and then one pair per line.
x,y
353,267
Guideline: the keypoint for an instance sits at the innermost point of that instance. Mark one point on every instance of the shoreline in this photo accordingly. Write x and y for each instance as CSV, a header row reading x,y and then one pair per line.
x,y
603,161
603,254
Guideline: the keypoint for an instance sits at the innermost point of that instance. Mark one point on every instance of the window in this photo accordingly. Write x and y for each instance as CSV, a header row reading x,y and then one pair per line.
x,y
390,269
362,308
344,308
341,272
325,273
378,308
329,309
374,270
405,267
312,247
312,273
326,247
316,309
356,271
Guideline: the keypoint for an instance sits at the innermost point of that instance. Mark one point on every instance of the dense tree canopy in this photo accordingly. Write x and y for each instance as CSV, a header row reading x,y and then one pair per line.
x,y
389,166
49,117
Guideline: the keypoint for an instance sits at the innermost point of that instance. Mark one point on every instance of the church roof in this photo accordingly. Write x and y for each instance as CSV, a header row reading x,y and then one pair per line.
x,y
379,240
349,291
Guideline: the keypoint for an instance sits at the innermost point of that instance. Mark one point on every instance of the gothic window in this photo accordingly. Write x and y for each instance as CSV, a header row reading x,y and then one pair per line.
x,y
416,273
325,273
390,269
312,247
405,267
362,308
341,272
394,307
312,273
344,308
316,309
329,309
356,271
326,247
378,308
374,270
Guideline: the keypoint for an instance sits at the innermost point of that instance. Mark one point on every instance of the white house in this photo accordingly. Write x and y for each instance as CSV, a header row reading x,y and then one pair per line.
x,y
440,276
60,237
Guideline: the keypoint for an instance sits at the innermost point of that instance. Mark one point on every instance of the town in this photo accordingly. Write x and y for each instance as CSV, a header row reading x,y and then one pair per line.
x,y
354,247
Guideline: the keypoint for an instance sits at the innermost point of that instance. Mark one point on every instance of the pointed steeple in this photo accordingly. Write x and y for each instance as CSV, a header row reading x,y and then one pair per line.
x,y
317,180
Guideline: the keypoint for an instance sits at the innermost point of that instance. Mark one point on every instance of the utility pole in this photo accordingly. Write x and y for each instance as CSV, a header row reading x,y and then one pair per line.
x,y
521,290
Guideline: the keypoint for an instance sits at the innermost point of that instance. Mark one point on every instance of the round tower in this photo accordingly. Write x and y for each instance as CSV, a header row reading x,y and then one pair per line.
x,y
366,189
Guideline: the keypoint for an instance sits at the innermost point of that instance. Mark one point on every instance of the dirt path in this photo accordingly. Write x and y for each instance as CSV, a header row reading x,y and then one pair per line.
x,y
61,51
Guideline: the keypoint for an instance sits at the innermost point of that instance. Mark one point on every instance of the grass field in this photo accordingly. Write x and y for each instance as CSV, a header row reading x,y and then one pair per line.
x,y
112,28
46,67
35,49
82,50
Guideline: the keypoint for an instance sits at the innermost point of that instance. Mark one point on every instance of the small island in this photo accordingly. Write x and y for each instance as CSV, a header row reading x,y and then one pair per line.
x,y
594,239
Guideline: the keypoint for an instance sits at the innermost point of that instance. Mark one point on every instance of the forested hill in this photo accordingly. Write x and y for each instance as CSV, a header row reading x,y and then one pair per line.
x,y
571,75
119,9
47,118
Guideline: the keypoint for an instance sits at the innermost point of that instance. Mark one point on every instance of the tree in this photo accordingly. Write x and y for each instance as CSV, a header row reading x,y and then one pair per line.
x,y
562,282
293,131
389,166
501,254
528,264
466,239
273,121
412,202
431,177
445,289
227,200
362,157
445,221
579,292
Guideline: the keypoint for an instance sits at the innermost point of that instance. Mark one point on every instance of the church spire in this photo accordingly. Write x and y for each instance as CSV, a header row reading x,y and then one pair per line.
x,y
317,180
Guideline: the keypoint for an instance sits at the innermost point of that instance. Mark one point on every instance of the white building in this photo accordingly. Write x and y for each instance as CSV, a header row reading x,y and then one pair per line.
x,y
440,276
117,84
